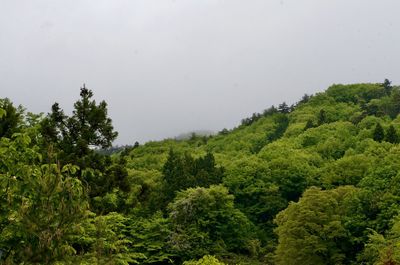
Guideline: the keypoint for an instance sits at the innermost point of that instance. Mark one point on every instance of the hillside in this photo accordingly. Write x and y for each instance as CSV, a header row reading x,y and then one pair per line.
x,y
323,147
313,183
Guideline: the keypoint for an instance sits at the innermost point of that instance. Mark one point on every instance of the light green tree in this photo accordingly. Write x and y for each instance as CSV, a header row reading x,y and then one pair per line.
x,y
311,231
206,260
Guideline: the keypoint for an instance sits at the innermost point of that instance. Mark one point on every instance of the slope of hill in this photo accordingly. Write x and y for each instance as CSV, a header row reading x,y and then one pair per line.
x,y
325,148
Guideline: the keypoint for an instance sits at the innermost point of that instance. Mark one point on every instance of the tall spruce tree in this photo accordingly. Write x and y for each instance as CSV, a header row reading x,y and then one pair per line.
x,y
322,117
183,171
76,136
391,135
379,133
387,85
283,108
309,125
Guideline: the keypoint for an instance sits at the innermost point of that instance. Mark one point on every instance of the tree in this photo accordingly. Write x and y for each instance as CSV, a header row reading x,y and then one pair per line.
x,y
42,205
176,176
150,237
394,103
391,135
224,131
105,240
77,135
383,250
305,99
311,231
281,124
206,172
379,133
387,85
183,171
205,221
283,108
270,111
206,260
11,119
309,125
322,117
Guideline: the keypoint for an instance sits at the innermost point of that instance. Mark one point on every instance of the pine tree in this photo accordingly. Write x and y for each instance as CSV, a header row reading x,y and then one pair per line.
x,y
387,85
379,133
283,108
175,175
322,117
305,99
391,135
309,125
77,135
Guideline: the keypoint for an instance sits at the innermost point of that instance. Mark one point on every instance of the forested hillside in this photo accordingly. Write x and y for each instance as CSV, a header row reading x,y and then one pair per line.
x,y
317,182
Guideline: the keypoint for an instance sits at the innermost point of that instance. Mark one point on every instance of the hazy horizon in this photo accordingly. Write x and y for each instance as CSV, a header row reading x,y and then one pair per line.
x,y
171,67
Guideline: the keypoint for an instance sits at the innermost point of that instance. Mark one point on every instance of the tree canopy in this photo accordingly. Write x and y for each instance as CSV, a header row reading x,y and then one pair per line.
x,y
313,182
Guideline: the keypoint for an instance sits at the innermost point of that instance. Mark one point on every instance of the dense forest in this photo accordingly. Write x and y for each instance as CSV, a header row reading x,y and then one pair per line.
x,y
316,182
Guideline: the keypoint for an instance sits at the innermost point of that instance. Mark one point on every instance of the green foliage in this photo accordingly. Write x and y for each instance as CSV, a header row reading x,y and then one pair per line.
x,y
356,93
256,193
74,136
311,231
383,250
10,118
41,205
387,86
273,190
206,260
348,170
322,117
391,135
281,123
150,237
309,125
379,133
182,172
105,240
205,220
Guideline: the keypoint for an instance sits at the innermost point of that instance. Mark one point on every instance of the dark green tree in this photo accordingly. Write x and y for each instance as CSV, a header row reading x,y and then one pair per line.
x,y
322,117
379,133
394,108
12,118
309,125
282,122
183,171
206,172
391,135
387,85
283,108
224,131
176,176
76,136
271,110
305,99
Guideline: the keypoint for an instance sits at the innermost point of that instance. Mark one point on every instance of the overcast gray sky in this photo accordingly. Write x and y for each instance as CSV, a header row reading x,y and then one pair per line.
x,y
172,66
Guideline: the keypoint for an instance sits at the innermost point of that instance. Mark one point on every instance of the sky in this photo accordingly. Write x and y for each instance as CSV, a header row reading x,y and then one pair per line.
x,y
167,67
